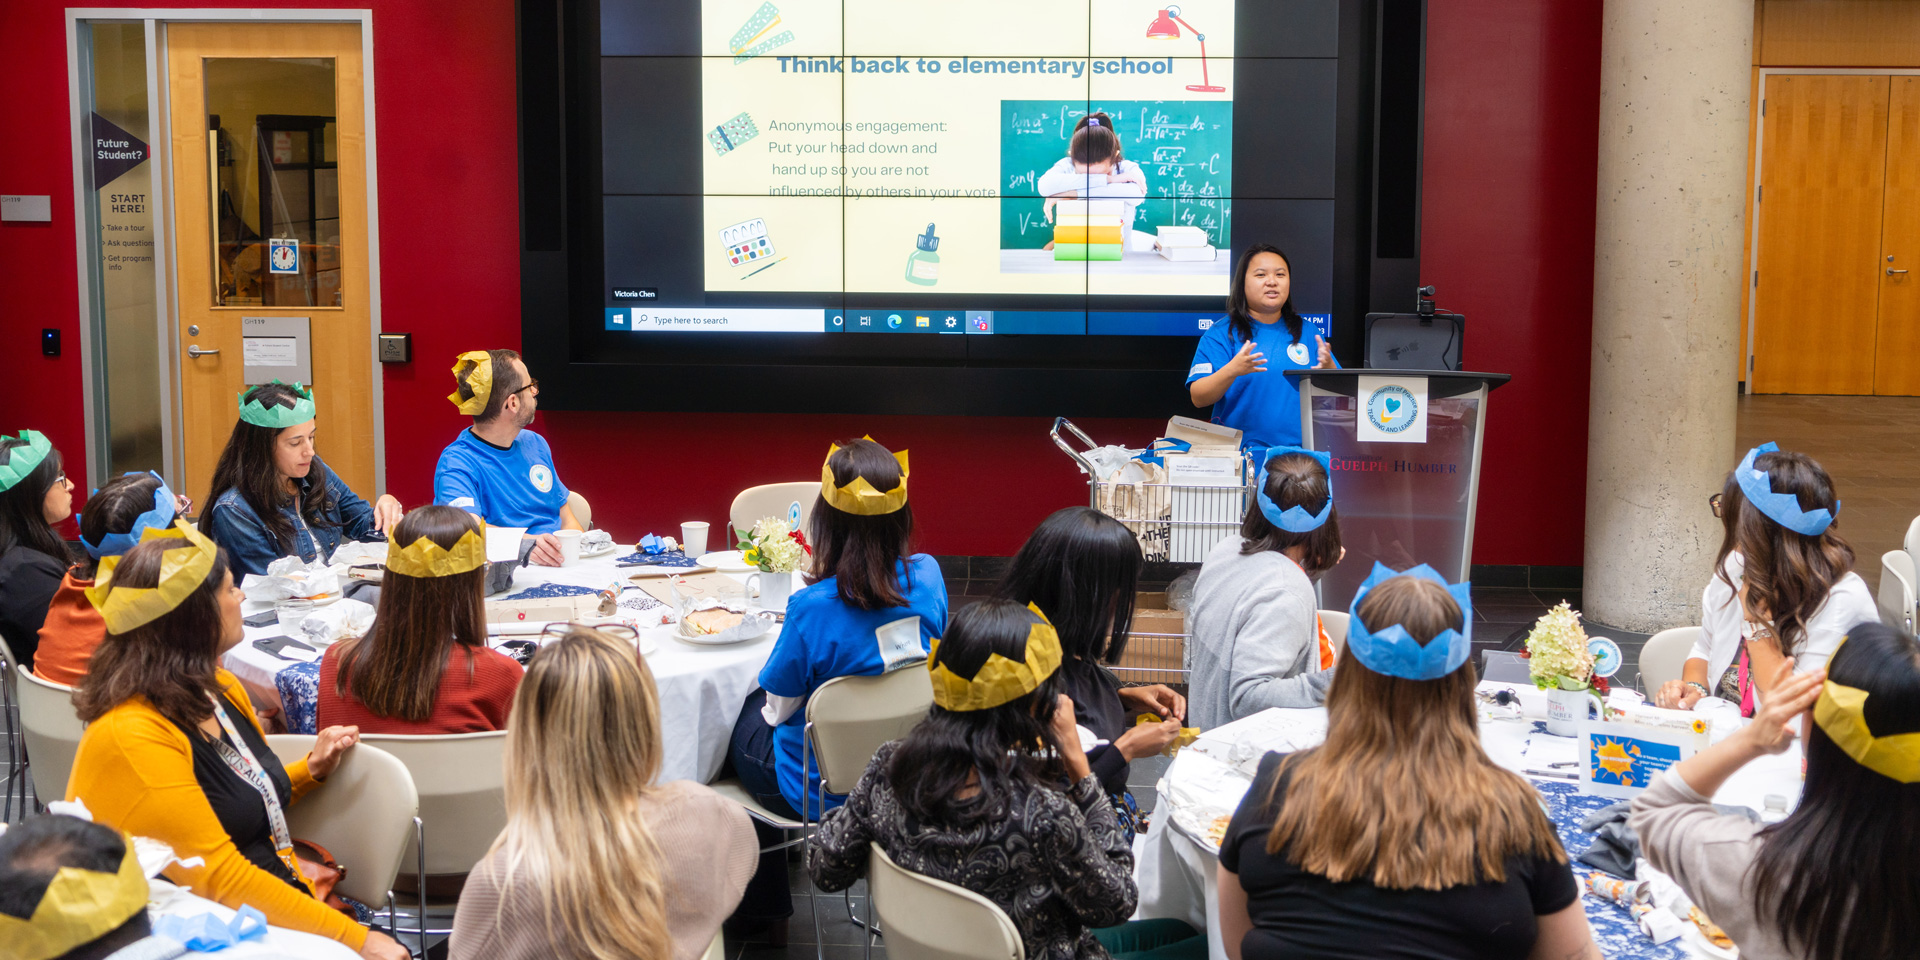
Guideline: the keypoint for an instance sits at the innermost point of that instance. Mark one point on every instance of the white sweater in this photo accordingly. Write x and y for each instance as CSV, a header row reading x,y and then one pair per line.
x,y
1848,605
1253,640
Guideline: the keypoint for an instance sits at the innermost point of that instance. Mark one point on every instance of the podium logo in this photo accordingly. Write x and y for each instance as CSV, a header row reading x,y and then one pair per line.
x,y
1392,408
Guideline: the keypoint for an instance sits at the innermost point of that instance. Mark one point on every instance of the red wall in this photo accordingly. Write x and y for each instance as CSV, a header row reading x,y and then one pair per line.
x,y
1512,113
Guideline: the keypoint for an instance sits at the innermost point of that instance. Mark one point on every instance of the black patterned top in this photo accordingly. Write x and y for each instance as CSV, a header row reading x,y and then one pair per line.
x,y
1056,862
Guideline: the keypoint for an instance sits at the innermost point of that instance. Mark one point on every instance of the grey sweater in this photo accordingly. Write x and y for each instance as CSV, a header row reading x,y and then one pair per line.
x,y
1252,638
1707,853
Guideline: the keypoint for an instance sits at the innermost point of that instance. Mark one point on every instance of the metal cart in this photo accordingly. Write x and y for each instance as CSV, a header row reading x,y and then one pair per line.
x,y
1175,522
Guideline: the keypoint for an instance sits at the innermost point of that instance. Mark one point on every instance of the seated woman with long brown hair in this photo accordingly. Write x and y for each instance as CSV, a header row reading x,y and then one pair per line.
x,y
172,750
1398,836
597,859
425,666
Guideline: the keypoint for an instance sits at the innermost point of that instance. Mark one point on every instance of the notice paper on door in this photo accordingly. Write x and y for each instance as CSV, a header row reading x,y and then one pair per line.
x,y
269,351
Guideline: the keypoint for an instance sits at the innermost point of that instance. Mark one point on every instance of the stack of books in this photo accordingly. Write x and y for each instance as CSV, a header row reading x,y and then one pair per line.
x,y
1184,244
1089,229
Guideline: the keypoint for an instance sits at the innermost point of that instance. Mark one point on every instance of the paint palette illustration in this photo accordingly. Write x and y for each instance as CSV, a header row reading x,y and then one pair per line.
x,y
746,242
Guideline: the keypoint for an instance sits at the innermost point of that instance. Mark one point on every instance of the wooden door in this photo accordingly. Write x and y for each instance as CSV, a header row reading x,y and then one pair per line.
x,y
1822,190
1896,370
244,173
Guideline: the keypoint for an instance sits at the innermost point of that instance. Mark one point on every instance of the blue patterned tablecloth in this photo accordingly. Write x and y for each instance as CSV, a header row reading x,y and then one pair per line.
x,y
299,687
1614,928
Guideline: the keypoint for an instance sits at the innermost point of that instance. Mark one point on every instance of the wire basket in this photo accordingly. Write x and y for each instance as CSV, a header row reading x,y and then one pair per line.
x,y
1174,522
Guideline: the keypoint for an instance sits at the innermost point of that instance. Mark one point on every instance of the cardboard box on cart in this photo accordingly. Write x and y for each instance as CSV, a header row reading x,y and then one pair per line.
x,y
1156,645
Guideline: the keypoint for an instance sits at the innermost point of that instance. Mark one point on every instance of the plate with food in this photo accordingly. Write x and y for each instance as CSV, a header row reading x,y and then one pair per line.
x,y
719,625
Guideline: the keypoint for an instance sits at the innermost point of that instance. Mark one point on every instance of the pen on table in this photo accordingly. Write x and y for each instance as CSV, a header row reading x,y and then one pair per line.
x,y
1555,774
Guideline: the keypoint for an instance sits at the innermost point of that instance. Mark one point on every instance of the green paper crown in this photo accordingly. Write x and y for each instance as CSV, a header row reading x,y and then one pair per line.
x,y
277,416
22,460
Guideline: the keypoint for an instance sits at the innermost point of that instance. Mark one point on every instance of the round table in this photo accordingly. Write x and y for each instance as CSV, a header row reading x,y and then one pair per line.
x,y
1177,867
702,687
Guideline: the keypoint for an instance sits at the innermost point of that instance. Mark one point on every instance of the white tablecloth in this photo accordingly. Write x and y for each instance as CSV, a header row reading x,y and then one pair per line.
x,y
701,687
1177,873
278,943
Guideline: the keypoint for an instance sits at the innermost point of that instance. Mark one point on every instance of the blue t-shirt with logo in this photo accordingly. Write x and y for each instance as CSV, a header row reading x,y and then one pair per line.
x,y
1265,405
825,638
514,487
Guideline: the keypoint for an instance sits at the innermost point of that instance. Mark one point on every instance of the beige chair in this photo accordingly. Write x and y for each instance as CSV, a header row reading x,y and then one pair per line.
x,y
1664,655
848,718
463,801
51,733
928,919
717,950
1335,621
582,511
1912,542
1897,592
366,815
793,501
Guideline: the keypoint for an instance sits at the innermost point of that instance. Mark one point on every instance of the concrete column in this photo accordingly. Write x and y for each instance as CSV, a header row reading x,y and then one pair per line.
x,y
1674,81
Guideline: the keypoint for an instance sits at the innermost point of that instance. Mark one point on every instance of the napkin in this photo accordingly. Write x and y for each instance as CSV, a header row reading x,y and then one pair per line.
x,y
207,933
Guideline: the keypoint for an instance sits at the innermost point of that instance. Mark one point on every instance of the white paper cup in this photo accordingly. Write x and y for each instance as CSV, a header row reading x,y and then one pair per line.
x,y
693,537
569,546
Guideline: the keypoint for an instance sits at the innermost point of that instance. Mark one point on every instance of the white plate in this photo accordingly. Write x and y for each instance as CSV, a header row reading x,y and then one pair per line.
x,y
726,561
323,601
707,640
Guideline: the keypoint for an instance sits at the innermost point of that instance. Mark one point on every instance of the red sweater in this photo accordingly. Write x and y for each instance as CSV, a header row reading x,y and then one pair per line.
x,y
464,704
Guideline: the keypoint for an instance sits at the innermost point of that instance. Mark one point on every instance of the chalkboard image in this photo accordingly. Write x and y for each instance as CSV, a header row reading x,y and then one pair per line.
x,y
1162,205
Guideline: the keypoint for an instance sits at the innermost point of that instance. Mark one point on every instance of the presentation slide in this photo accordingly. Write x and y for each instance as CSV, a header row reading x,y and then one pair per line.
x,y
1022,167
996,146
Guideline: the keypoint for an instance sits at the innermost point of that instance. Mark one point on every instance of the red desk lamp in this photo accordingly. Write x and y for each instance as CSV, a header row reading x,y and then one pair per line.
x,y
1163,28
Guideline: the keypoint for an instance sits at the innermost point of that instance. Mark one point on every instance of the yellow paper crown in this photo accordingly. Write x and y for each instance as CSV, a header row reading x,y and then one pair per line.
x,y
999,680
182,571
424,558
1839,712
80,906
480,380
860,497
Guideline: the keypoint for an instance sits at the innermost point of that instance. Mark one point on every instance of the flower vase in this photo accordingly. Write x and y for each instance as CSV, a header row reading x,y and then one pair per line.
x,y
1566,708
774,589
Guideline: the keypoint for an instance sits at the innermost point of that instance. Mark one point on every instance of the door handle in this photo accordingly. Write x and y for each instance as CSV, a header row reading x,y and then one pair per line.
x,y
1891,271
194,351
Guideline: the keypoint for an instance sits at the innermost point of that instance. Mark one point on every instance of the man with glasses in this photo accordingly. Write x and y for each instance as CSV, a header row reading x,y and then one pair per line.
x,y
497,468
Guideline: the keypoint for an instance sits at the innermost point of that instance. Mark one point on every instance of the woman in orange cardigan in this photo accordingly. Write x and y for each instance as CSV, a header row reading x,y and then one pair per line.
x,y
172,750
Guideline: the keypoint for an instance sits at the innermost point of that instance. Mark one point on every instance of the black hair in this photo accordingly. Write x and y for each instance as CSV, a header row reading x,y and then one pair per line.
x,y
1094,140
1295,480
23,506
1004,743
246,465
112,509
1080,567
1836,878
34,850
861,552
1237,312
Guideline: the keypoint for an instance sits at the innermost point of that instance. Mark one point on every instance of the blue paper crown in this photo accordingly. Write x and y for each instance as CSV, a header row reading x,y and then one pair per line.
x,y
1783,508
1295,519
160,517
1393,651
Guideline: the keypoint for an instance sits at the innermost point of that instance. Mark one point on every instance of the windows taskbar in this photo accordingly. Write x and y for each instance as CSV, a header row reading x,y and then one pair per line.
x,y
655,319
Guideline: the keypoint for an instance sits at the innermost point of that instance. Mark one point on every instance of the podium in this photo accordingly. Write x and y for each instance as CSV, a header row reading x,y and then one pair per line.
x,y
1405,446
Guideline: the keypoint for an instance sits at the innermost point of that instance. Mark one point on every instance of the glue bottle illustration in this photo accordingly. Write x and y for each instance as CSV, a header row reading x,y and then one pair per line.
x,y
923,266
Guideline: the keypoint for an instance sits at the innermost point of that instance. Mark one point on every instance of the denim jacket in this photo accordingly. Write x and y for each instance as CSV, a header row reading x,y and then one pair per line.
x,y
233,524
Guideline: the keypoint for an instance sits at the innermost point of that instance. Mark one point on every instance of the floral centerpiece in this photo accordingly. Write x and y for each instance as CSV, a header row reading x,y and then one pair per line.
x,y
774,546
1557,654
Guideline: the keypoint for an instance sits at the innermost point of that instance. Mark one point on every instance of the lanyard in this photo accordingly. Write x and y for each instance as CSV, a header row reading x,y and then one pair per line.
x,y
240,759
